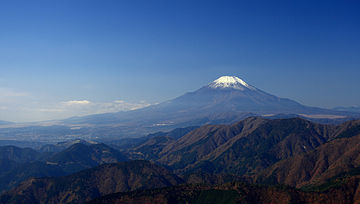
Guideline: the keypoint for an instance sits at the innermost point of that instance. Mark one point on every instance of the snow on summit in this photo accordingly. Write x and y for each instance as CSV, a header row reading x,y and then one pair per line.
x,y
230,82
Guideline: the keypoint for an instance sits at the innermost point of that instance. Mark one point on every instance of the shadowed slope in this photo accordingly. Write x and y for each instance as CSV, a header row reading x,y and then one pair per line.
x,y
92,183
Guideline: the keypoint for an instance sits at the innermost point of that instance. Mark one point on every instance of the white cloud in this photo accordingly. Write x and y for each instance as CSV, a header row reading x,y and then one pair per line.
x,y
119,105
119,101
83,102
85,107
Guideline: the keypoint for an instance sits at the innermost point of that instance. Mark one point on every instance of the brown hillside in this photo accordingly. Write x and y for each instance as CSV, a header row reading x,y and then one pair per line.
x,y
329,160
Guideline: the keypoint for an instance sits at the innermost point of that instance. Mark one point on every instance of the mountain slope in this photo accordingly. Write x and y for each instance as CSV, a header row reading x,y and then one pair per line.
x,y
289,151
17,164
81,156
334,158
150,147
11,156
27,163
244,147
92,183
128,143
60,146
17,154
22,172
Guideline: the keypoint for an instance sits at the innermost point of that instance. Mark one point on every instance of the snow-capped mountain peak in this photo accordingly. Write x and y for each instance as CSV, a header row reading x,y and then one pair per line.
x,y
230,82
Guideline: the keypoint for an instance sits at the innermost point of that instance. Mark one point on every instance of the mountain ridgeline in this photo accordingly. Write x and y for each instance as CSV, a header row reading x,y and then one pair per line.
x,y
260,150
89,184
245,147
320,159
19,164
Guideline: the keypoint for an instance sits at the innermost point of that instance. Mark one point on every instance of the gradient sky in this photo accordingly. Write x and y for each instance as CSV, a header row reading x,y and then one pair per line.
x,y
60,58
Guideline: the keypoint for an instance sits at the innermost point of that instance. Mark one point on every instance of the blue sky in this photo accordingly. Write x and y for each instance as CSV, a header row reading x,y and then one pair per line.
x,y
61,58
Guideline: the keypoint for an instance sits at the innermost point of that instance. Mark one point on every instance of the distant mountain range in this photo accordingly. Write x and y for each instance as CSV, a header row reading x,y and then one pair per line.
x,y
319,163
355,109
243,148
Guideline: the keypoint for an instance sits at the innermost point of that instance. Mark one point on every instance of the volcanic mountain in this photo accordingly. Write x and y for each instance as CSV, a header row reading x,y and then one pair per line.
x,y
226,100
229,94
